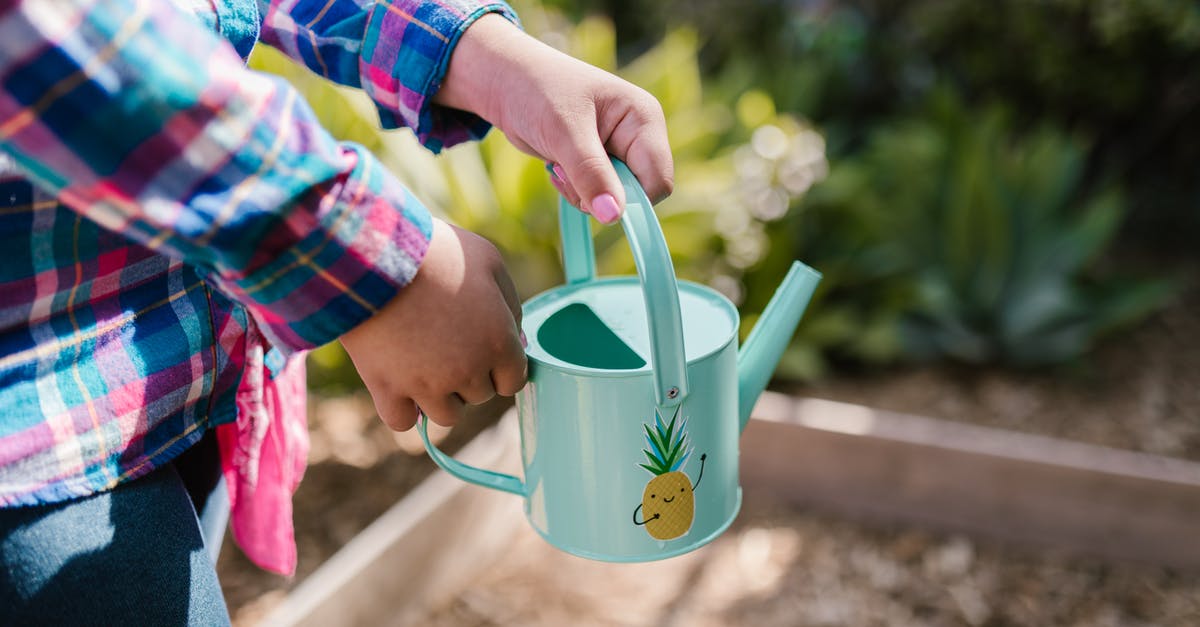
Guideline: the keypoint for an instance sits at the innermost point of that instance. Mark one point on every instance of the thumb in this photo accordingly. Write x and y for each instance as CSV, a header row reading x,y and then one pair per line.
x,y
590,172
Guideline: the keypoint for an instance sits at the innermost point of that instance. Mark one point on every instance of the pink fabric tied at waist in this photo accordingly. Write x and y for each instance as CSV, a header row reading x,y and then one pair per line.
x,y
263,456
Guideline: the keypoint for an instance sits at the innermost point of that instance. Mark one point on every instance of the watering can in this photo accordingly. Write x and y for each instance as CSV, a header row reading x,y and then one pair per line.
x,y
637,395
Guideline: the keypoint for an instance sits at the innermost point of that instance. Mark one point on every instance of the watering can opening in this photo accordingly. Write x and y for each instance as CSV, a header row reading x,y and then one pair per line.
x,y
600,328
577,336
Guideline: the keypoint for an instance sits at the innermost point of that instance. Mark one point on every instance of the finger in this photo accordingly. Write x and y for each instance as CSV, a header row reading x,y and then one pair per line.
x,y
558,178
510,373
399,414
640,140
444,410
508,290
478,391
590,172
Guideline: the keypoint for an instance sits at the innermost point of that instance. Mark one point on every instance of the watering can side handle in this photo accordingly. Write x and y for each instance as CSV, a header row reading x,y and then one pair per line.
x,y
466,472
579,256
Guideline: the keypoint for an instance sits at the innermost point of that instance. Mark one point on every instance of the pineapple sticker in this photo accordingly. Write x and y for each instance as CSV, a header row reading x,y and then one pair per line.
x,y
668,502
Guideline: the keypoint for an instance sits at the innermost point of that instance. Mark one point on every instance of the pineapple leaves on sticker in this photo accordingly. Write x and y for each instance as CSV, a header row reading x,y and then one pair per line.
x,y
668,444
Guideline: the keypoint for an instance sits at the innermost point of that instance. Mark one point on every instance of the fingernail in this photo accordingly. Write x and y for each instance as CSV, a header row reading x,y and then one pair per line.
x,y
524,341
559,172
558,185
605,208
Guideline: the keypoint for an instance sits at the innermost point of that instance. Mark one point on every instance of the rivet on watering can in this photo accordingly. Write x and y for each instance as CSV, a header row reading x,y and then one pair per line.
x,y
672,393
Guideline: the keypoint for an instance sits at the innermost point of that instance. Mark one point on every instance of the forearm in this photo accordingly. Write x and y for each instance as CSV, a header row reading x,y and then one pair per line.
x,y
489,52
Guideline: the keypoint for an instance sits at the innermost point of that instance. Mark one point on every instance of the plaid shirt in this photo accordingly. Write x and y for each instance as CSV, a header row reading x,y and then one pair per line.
x,y
162,208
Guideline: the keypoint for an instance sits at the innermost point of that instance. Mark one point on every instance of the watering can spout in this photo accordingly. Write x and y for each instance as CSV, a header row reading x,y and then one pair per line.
x,y
770,337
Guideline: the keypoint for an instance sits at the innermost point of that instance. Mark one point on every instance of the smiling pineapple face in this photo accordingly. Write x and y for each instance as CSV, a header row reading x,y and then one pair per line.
x,y
668,502
668,505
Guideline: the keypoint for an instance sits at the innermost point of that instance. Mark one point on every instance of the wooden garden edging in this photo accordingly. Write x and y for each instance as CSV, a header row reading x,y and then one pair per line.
x,y
959,477
848,459
420,552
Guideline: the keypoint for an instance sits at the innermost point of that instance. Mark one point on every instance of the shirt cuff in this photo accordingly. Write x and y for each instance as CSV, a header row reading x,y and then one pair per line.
x,y
405,55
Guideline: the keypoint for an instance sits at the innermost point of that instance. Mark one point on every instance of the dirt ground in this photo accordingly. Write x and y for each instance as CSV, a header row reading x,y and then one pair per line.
x,y
779,566
358,468
1139,390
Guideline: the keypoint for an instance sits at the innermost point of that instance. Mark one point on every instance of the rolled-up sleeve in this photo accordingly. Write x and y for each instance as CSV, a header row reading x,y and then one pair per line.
x,y
146,123
397,51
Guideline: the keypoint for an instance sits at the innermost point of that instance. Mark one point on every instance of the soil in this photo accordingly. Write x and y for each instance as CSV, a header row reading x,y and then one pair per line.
x,y
780,566
1139,390
358,468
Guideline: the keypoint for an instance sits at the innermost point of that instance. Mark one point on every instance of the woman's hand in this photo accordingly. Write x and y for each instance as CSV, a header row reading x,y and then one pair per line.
x,y
562,110
451,338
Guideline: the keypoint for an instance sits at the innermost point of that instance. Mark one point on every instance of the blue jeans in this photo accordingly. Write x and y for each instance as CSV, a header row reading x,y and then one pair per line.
x,y
133,556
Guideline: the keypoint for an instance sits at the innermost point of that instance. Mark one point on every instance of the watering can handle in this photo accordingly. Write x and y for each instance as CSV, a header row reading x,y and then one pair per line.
x,y
466,472
655,270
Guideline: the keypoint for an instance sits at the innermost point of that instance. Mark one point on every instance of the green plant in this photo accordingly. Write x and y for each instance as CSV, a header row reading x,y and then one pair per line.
x,y
988,240
1123,72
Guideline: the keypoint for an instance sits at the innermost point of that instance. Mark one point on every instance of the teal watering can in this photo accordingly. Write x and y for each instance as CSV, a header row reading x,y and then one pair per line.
x,y
636,398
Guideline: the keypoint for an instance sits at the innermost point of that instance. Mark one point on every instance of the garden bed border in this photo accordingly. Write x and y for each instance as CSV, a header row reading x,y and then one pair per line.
x,y
888,467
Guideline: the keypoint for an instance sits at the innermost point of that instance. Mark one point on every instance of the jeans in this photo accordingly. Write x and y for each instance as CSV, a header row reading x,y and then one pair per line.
x,y
135,555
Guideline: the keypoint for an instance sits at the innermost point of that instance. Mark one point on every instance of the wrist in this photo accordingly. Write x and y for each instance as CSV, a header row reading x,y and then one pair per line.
x,y
484,55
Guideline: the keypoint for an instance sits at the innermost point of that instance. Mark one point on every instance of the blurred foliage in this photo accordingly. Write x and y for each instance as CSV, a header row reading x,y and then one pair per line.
x,y
1122,72
1033,80
952,235
986,157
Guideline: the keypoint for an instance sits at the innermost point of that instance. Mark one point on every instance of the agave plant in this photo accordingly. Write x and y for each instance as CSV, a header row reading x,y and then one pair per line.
x,y
980,243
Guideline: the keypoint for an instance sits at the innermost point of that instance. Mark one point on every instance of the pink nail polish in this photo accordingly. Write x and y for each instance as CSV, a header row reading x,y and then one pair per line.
x,y
605,209
559,172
